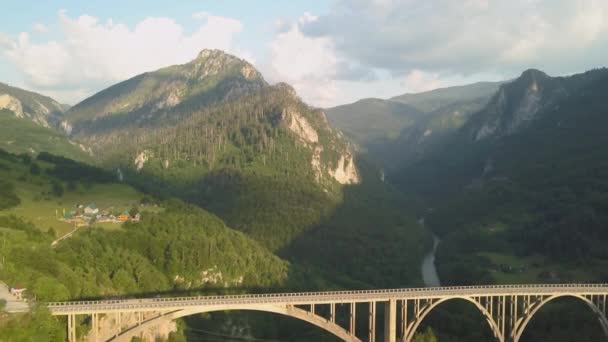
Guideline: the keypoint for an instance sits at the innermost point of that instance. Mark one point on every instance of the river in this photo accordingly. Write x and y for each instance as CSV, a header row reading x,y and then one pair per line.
x,y
429,272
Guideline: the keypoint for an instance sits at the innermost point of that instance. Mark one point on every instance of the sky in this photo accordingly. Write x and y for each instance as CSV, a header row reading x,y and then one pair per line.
x,y
332,51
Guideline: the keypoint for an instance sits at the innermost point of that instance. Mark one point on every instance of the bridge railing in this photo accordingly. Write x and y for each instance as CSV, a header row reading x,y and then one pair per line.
x,y
327,294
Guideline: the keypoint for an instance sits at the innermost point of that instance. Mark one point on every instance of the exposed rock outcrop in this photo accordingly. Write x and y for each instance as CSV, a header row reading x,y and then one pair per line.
x,y
141,159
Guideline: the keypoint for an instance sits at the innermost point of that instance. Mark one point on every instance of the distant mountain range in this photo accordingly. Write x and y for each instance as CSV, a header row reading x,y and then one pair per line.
x,y
533,107
396,131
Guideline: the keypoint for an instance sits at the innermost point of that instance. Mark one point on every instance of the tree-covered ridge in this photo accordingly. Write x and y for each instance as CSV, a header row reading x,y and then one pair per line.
x,y
251,133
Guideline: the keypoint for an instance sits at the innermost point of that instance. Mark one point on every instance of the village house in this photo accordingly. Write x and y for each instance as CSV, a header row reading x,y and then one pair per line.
x,y
124,216
91,210
18,292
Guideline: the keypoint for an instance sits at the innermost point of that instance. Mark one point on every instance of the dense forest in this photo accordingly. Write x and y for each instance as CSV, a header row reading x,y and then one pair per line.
x,y
185,249
527,206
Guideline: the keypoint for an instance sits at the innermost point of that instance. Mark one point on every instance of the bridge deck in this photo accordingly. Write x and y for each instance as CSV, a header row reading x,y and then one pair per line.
x,y
304,298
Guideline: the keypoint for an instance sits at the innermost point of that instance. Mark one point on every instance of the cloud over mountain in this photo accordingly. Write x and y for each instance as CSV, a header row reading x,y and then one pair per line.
x,y
90,54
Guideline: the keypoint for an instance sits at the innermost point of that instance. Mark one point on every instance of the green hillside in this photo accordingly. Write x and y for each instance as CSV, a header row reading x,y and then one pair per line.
x,y
19,135
166,251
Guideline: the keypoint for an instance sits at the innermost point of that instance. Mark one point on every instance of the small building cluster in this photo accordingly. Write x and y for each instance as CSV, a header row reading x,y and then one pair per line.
x,y
83,216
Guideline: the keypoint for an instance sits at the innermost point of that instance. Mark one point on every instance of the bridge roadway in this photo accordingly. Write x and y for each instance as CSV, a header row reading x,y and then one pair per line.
x,y
507,308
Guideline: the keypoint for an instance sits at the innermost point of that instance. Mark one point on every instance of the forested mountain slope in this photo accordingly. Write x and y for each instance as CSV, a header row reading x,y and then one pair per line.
x,y
214,133
518,195
524,176
173,248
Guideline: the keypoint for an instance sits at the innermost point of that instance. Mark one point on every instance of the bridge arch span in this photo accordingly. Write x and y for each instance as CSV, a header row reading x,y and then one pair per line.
x,y
429,308
285,310
520,328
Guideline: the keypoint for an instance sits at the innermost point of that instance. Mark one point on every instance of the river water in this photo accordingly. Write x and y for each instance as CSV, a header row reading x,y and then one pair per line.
x,y
429,272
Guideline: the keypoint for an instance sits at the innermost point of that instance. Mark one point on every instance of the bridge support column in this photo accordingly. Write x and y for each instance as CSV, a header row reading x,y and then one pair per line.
x,y
352,320
390,321
372,322
72,328
94,327
118,324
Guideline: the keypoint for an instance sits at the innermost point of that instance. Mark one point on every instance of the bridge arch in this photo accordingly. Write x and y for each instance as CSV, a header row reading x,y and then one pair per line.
x,y
285,310
426,310
519,329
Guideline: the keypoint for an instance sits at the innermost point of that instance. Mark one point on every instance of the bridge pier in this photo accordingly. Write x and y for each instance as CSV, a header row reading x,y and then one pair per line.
x,y
372,322
352,319
72,328
390,321
95,327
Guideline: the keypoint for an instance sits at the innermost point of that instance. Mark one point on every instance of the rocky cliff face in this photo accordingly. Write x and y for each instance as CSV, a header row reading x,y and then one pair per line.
x,y
344,170
517,104
39,109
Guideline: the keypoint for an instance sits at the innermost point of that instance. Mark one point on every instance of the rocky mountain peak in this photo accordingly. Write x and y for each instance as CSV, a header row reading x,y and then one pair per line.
x,y
534,74
532,81
287,88
518,103
213,61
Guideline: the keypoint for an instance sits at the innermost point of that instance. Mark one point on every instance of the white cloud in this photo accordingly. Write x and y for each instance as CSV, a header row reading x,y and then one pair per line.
x,y
92,55
309,64
40,28
418,81
466,37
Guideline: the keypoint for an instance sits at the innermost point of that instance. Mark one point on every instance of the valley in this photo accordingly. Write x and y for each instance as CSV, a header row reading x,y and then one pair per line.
x,y
204,179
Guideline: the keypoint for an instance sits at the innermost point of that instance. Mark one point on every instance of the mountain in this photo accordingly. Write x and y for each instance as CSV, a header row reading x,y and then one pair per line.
x,y
160,116
214,133
373,120
177,90
433,100
523,180
37,108
399,130
28,125
519,103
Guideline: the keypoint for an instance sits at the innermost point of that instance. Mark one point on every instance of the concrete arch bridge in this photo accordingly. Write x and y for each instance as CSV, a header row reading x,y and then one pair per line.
x,y
506,308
